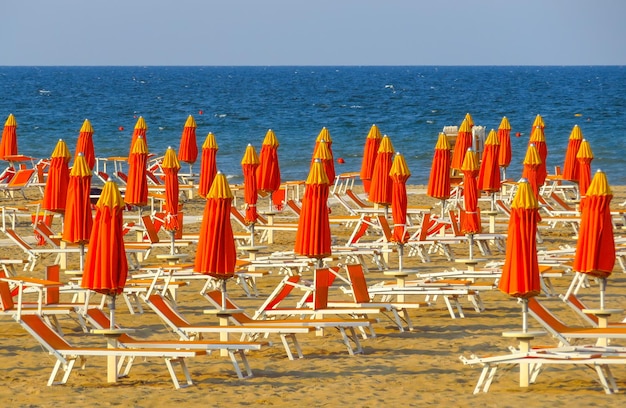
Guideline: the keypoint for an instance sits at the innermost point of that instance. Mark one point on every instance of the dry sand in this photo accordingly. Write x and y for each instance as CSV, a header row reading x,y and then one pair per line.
x,y
397,369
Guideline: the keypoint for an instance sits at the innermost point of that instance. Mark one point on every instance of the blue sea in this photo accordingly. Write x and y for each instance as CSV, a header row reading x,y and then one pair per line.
x,y
410,104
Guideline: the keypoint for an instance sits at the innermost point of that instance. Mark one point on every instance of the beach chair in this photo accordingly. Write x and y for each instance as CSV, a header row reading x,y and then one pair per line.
x,y
67,355
577,305
19,182
187,331
34,254
236,349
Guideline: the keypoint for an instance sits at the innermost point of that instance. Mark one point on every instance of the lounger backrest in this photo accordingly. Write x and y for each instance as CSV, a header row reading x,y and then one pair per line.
x,y
356,199
52,293
42,228
576,302
18,240
360,230
47,337
21,178
97,318
545,317
216,297
322,283
281,292
151,232
384,225
359,285
6,300
294,207
165,310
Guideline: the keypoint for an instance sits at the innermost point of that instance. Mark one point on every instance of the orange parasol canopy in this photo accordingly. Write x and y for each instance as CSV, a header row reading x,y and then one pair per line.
x,y
595,251
520,273
439,180
313,235
584,157
380,187
170,167
538,138
504,137
84,144
399,174
463,142
78,219
106,267
370,150
268,172
137,185
470,221
8,143
188,149
538,122
249,163
325,136
208,164
469,119
532,161
489,173
571,169
323,153
140,130
55,191
216,254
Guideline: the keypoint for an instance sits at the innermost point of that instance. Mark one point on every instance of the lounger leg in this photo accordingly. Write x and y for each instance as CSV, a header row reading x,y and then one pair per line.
x,y
346,340
183,365
283,338
67,370
236,364
603,379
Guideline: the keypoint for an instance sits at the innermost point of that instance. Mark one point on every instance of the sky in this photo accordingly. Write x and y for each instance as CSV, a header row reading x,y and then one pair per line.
x,y
313,32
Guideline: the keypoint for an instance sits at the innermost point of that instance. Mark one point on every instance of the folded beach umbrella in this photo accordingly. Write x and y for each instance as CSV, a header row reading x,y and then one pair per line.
x,y
78,218
595,251
538,122
584,157
538,138
325,136
268,172
439,180
170,167
208,165
137,186
504,153
520,273
216,254
470,217
469,119
370,150
249,163
399,174
313,235
489,173
380,187
188,149
323,153
55,191
463,142
532,161
8,143
84,144
106,267
141,129
571,170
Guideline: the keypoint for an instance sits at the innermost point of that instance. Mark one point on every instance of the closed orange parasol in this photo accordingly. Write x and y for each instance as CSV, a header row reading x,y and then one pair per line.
x,y
595,251
208,165
439,180
489,173
268,172
8,143
323,153
216,254
380,187
137,186
55,191
399,174
504,153
141,129
584,157
532,161
538,122
469,119
78,217
325,136
520,273
84,144
106,267
538,138
249,164
370,150
313,234
571,169
470,217
188,150
463,142
170,167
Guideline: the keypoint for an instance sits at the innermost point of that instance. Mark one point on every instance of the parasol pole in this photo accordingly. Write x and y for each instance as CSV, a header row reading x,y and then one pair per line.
x,y
223,290
602,289
471,245
524,315
252,234
400,256
112,312
82,256
172,241
443,207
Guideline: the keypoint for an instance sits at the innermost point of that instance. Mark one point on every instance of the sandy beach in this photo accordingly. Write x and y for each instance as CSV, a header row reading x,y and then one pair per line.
x,y
415,368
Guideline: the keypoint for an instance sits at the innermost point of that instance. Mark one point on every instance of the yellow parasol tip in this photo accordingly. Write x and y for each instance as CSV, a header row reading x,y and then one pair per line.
x,y
191,122
492,138
170,160
576,134
322,151
599,185
270,139
524,197
399,166
385,145
324,135
86,127
10,121
504,124
141,123
465,127
110,196
139,147
470,120
61,150
442,142
470,161
80,167
374,133
317,174
250,156
219,188
209,142
584,151
538,135
532,157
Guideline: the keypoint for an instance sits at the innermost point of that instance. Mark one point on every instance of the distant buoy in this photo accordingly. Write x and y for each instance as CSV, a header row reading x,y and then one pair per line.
x,y
200,112
578,115
341,160
518,134
121,128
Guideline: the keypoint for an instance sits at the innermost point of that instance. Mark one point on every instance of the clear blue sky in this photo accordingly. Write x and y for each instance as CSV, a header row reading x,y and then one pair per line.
x,y
313,32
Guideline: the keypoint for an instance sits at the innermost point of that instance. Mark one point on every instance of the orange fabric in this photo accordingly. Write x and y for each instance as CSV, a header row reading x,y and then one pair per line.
x,y
55,191
539,139
208,169
595,251
584,175
84,144
322,283
322,151
571,169
47,219
268,172
137,184
470,218
170,168
504,138
78,219
439,180
250,193
489,173
216,254
106,267
380,187
141,129
188,149
8,143
399,175
463,142
370,150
